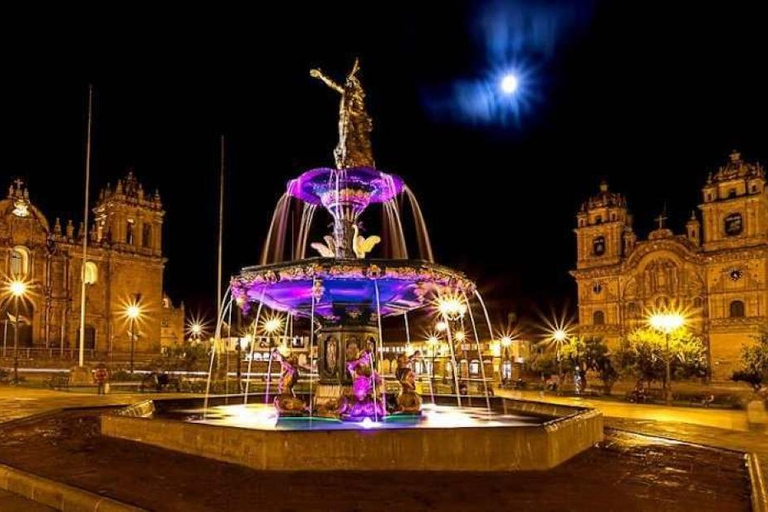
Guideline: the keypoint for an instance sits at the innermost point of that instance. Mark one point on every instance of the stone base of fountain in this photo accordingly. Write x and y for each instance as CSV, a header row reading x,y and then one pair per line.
x,y
556,434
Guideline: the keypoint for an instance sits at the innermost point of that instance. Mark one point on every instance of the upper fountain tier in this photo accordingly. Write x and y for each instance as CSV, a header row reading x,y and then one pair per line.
x,y
357,187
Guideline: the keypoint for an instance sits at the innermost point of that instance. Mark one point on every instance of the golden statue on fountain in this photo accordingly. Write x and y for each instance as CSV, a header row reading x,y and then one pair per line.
x,y
355,125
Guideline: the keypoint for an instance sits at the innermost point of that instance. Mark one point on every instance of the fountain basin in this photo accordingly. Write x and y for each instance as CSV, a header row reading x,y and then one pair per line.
x,y
539,436
403,285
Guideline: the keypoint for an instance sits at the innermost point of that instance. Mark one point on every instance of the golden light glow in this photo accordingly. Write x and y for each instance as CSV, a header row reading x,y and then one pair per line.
x,y
451,306
133,311
433,341
666,322
272,324
558,331
506,341
460,336
441,326
17,288
197,327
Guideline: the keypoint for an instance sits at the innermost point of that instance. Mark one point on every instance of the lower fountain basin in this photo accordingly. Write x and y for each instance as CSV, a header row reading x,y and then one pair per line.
x,y
517,435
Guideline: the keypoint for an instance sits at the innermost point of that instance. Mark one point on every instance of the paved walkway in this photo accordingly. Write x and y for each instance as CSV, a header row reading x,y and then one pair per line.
x,y
20,402
731,419
10,502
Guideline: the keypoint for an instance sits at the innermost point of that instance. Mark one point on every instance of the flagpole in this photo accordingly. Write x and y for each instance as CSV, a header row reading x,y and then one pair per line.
x,y
81,359
221,236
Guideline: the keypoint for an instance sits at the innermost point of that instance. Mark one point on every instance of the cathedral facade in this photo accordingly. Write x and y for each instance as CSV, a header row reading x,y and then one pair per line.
x,y
124,267
716,272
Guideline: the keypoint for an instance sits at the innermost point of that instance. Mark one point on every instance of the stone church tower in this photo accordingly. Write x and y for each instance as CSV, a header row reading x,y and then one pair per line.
x,y
717,271
125,265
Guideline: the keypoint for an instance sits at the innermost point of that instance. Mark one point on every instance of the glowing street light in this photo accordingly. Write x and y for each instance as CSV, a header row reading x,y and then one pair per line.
x,y
133,313
18,289
509,84
273,324
451,307
441,326
460,336
560,335
667,322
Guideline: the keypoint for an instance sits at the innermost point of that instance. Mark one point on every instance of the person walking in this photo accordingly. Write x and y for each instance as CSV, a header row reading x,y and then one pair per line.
x,y
101,376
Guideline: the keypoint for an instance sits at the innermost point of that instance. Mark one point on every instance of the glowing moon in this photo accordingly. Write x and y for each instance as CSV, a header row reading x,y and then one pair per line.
x,y
509,84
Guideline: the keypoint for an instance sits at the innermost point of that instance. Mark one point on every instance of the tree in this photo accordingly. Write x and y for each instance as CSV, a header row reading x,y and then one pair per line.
x,y
183,357
589,354
544,363
644,353
754,363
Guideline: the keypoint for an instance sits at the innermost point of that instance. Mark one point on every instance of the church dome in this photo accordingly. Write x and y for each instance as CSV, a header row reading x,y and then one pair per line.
x,y
20,219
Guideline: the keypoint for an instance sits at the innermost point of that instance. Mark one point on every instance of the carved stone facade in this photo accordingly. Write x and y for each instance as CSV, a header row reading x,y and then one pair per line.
x,y
124,266
717,272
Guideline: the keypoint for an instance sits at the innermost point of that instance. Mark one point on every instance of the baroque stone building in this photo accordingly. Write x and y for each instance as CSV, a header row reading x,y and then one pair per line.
x,y
124,266
717,271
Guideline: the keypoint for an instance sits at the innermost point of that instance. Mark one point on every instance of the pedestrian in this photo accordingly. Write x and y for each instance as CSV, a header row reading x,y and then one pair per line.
x,y
101,376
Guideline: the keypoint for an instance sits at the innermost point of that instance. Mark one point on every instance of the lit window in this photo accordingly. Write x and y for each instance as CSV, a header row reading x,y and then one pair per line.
x,y
129,232
734,224
19,262
91,273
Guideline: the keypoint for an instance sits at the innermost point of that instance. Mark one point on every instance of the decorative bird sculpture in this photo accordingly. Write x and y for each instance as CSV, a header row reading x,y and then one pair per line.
x,y
327,250
362,245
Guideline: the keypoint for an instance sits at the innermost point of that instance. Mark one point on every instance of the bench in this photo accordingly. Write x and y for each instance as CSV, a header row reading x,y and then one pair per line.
x,y
59,382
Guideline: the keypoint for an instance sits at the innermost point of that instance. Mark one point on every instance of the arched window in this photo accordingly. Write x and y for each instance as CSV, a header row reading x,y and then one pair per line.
x,y
129,232
734,224
598,318
737,309
598,220
474,367
146,236
91,273
19,262
598,246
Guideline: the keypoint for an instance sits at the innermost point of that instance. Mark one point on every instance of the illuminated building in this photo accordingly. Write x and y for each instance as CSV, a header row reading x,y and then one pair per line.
x,y
717,271
125,264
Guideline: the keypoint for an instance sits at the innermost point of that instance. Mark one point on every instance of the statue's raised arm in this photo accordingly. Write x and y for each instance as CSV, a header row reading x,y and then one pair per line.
x,y
354,147
317,73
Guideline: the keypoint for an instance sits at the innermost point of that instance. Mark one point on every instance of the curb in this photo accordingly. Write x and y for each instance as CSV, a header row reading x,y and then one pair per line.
x,y
57,495
757,487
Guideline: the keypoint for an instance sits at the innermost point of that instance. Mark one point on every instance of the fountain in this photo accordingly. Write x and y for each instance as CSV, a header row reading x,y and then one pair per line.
x,y
343,296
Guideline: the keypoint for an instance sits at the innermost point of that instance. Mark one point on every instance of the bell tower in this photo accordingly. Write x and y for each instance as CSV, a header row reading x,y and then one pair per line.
x,y
603,229
128,219
735,206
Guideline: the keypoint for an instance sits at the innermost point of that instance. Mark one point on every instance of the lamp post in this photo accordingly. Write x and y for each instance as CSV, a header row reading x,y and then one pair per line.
x,y
666,323
506,341
133,311
18,290
271,326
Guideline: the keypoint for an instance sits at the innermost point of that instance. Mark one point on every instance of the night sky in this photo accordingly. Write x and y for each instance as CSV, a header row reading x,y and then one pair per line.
x,y
651,96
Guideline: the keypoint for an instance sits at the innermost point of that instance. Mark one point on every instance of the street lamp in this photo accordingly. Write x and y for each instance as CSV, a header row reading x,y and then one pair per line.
x,y
667,323
18,290
506,342
133,312
271,326
433,343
